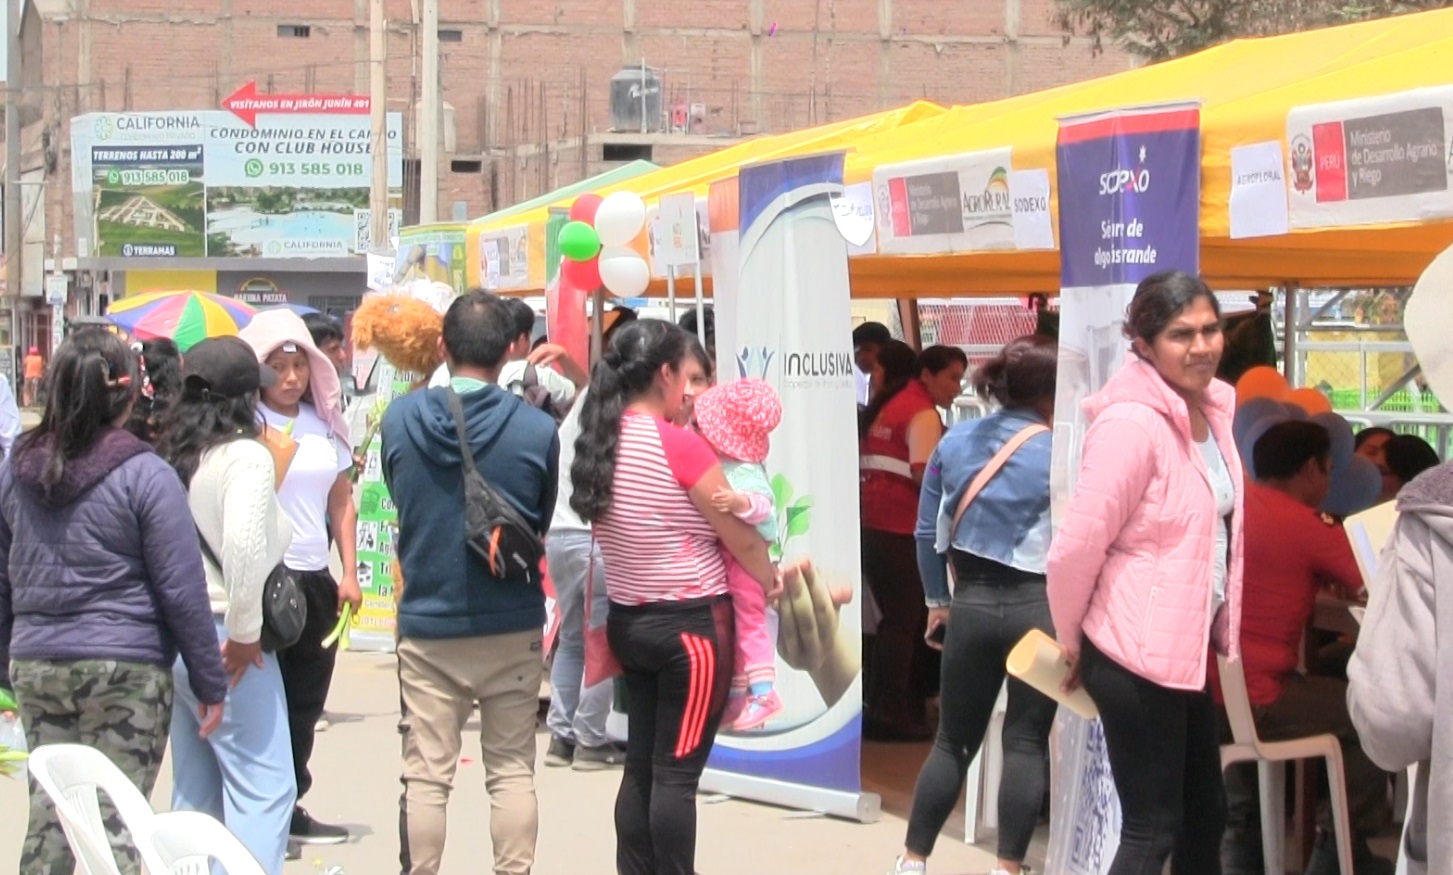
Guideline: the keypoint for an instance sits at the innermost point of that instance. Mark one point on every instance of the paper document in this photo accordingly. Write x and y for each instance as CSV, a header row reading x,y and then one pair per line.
x,y
1369,533
1039,661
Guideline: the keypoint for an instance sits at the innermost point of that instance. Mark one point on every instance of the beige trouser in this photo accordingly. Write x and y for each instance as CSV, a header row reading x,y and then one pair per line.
x,y
439,682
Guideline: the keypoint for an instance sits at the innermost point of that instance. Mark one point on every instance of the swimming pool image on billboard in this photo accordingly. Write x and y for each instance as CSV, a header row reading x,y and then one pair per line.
x,y
281,222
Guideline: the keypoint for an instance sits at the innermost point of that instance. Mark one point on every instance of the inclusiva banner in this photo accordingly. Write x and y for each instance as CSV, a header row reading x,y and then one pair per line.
x,y
1129,207
783,314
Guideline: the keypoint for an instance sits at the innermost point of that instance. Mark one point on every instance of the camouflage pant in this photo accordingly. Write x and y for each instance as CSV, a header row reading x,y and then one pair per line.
x,y
122,709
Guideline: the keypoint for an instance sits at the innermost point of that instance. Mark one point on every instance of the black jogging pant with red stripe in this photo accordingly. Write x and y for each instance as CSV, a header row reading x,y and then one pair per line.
x,y
677,658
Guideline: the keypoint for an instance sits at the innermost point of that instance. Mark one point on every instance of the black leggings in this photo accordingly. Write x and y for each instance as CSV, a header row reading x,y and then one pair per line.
x,y
677,658
307,669
994,606
1165,754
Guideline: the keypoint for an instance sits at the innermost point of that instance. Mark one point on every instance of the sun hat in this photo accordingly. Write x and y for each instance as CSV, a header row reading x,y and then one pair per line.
x,y
736,418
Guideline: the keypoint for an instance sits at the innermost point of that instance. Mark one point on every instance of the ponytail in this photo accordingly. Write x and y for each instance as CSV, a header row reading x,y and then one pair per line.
x,y
88,387
625,373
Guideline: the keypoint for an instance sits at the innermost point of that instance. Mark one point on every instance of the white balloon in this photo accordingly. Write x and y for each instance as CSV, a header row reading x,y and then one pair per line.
x,y
623,272
620,218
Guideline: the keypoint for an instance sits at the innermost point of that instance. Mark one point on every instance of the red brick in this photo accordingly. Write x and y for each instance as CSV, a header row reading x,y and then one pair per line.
x,y
938,18
562,13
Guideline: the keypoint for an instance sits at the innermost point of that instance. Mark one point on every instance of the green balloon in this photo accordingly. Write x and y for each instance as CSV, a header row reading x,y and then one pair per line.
x,y
579,242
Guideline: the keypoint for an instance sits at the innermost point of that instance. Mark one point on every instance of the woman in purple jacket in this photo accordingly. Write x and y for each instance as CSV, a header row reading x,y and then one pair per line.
x,y
97,593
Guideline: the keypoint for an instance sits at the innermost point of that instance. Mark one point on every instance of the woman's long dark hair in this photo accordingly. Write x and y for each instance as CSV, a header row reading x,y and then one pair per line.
x,y
88,387
627,371
195,426
161,383
897,359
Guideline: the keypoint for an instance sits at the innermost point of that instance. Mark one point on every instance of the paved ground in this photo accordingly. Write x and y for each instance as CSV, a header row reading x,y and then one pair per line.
x,y
357,768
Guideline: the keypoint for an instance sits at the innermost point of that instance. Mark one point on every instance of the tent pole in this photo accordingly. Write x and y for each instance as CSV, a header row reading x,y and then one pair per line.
x,y
1289,341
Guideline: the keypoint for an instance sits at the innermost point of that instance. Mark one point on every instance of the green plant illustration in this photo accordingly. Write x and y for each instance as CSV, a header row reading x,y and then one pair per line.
x,y
794,518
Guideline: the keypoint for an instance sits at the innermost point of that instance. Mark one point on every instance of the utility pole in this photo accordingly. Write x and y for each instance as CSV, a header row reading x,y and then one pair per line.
x,y
378,109
429,133
14,220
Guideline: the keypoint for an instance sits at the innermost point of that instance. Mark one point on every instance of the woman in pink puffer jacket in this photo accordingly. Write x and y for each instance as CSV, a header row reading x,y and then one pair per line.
x,y
1145,574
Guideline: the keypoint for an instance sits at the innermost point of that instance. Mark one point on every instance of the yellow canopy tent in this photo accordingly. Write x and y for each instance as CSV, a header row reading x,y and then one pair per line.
x,y
1247,89
526,231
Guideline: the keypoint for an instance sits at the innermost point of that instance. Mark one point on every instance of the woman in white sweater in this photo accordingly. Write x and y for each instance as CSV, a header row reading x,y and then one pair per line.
x,y
241,774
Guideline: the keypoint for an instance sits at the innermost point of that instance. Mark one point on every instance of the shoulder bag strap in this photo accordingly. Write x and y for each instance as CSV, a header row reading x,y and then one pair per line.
x,y
456,408
206,547
989,470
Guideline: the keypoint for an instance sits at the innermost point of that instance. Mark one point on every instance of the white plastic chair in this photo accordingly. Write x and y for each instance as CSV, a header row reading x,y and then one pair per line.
x,y
981,801
1271,758
189,843
71,775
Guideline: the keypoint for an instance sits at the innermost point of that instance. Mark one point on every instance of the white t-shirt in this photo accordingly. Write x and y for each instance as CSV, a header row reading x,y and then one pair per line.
x,y
1225,493
566,519
321,457
512,377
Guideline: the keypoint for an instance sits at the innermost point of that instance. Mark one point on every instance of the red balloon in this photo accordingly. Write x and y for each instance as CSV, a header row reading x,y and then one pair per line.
x,y
582,275
584,208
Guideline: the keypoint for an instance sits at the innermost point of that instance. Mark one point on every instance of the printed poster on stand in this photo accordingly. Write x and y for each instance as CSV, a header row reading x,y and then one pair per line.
x,y
193,184
958,203
778,217
1129,202
1372,160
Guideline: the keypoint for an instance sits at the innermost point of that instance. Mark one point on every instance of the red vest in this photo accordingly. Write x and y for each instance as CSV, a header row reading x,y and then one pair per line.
x,y
889,495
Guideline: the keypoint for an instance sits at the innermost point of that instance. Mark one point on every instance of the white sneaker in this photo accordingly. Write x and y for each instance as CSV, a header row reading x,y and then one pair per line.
x,y
906,867
323,723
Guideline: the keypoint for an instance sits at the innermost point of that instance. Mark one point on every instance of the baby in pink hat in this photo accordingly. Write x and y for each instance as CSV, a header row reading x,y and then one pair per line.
x,y
736,419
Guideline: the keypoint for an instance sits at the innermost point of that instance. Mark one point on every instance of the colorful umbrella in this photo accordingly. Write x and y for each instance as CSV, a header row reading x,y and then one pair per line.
x,y
186,317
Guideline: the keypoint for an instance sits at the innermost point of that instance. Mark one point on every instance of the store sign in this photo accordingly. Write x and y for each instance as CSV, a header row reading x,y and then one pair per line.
x,y
194,184
260,292
1373,160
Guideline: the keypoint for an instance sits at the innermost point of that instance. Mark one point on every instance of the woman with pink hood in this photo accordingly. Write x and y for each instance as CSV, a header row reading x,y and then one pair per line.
x,y
1145,574
316,492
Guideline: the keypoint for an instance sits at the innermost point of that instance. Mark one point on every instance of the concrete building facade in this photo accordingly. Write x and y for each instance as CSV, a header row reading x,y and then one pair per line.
x,y
527,86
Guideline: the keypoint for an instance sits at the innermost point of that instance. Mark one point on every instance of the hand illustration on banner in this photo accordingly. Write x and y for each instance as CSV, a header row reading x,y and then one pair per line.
x,y
810,638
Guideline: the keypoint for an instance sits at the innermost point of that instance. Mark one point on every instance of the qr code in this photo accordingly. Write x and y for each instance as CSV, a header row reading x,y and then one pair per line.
x,y
1096,803
362,230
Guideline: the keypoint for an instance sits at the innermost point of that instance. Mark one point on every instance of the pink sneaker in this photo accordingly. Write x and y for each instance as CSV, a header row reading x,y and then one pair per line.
x,y
758,711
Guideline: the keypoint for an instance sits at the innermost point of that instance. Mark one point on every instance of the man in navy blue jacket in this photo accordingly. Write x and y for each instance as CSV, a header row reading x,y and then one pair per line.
x,y
466,636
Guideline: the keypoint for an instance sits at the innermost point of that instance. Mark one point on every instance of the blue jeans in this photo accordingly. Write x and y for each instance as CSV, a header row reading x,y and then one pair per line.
x,y
577,713
243,773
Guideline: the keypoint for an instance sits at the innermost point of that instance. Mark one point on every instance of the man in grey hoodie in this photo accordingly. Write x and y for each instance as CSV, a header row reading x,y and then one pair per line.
x,y
1403,715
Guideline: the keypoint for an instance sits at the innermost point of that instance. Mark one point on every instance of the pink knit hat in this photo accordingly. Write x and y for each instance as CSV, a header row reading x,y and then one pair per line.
x,y
736,418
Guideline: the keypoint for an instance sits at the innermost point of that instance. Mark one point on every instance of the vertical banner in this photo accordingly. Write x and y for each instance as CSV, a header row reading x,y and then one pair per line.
x,y
791,325
1129,207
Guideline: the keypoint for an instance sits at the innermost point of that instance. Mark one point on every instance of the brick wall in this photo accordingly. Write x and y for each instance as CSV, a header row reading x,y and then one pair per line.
x,y
515,74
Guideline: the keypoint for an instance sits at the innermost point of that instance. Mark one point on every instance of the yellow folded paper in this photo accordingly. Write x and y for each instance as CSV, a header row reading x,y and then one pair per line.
x,y
1039,661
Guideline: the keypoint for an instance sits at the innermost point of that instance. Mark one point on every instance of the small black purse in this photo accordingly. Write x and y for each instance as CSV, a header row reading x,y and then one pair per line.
x,y
284,613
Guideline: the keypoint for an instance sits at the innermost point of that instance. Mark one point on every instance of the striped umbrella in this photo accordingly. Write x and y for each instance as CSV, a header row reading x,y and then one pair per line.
x,y
186,317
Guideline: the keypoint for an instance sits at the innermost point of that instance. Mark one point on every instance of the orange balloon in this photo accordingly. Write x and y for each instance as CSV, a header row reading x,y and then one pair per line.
x,y
1310,400
1262,381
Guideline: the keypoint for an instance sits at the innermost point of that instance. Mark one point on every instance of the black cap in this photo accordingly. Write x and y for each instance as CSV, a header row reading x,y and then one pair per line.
x,y
223,367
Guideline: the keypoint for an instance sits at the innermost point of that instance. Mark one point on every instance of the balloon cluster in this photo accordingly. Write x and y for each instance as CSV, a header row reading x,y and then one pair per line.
x,y
605,244
1264,399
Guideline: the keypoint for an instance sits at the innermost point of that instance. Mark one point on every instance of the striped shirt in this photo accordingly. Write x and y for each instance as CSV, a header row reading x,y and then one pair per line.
x,y
657,546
